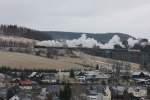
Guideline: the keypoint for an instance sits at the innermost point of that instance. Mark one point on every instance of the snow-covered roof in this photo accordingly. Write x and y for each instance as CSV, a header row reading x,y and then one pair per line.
x,y
139,72
33,74
92,72
2,75
103,76
15,97
140,80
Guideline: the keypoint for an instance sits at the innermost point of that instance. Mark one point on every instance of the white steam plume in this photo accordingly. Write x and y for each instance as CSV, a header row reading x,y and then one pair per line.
x,y
83,41
132,42
114,41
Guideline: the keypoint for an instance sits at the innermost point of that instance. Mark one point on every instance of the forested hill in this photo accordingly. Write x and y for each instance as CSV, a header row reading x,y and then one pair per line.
x,y
14,30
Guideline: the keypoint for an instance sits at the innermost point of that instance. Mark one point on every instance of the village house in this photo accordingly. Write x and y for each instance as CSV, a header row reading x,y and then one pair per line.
x,y
15,97
143,82
62,75
81,77
141,78
100,78
117,92
14,82
91,76
48,78
140,75
96,76
92,96
2,80
25,84
99,93
138,92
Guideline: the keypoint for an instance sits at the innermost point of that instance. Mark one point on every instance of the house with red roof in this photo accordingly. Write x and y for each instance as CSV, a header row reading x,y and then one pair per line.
x,y
25,84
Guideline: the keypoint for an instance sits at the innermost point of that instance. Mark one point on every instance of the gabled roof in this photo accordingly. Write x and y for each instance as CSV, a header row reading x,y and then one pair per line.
x,y
25,82
141,72
81,74
15,97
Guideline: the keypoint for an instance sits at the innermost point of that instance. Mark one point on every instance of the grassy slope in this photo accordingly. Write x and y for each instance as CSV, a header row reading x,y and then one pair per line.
x,y
19,60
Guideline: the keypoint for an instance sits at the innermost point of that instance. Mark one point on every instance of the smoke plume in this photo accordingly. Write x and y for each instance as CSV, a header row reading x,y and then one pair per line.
x,y
112,42
132,42
141,42
83,41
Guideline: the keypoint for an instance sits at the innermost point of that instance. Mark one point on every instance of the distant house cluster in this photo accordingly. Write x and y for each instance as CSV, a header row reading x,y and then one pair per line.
x,y
92,84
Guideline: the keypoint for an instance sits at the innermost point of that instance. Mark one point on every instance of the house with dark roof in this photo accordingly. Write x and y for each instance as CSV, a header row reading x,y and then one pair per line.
x,y
98,92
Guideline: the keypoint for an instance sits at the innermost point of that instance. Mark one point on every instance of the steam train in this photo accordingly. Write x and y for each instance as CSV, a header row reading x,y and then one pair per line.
x,y
140,55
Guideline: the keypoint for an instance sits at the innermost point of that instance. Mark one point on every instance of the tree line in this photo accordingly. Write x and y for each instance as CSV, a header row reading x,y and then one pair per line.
x,y
14,30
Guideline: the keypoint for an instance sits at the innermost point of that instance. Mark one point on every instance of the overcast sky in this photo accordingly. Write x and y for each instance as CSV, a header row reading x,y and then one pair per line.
x,y
96,16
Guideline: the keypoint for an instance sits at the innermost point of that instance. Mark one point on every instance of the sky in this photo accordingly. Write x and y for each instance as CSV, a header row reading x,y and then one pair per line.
x,y
94,16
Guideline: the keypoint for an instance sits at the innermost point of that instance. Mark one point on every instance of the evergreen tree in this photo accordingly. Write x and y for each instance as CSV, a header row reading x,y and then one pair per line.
x,y
97,67
65,94
127,96
49,96
72,73
10,93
